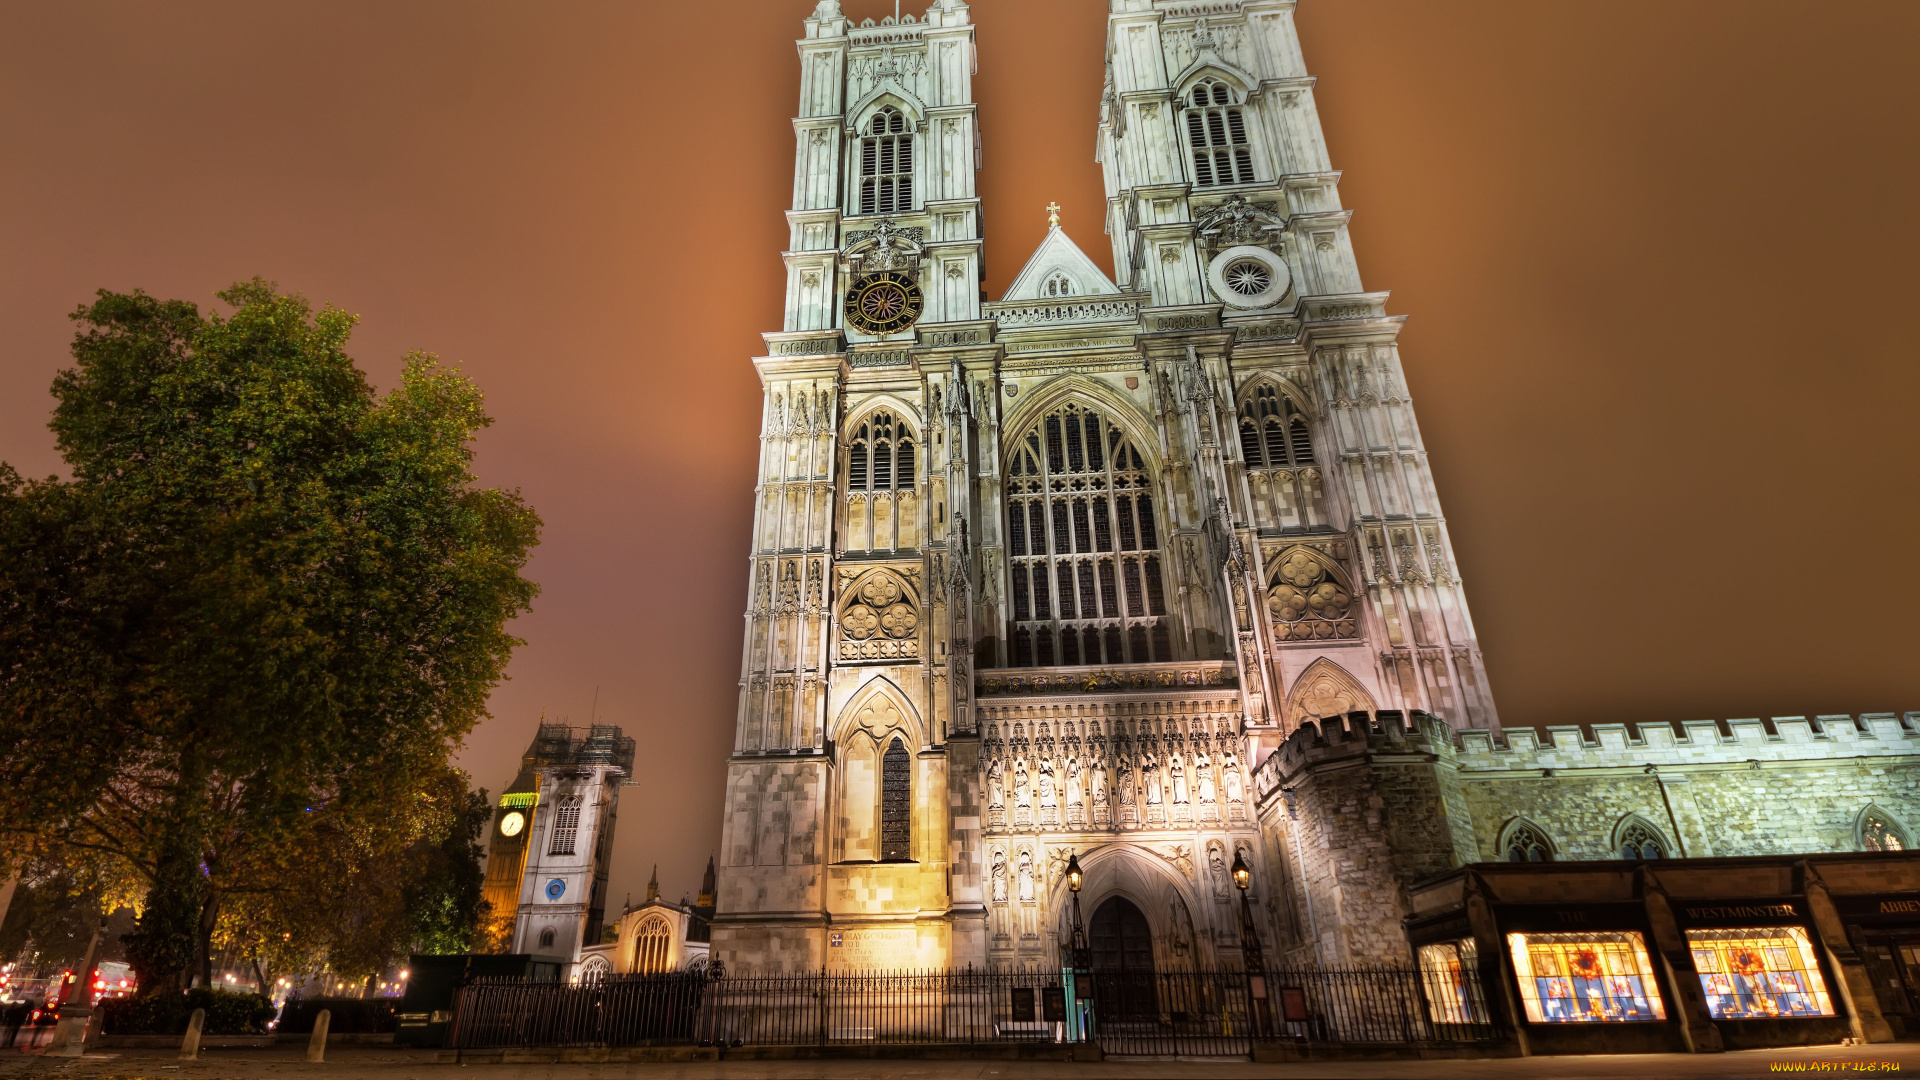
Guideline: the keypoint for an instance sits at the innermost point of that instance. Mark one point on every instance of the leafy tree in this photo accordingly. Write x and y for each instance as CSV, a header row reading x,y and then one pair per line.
x,y
237,646
55,912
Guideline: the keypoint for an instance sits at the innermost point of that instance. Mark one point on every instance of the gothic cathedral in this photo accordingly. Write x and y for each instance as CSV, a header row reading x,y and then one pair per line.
x,y
1052,574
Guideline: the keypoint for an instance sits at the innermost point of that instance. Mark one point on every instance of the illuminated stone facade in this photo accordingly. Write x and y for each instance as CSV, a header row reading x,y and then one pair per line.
x,y
1046,575
1107,567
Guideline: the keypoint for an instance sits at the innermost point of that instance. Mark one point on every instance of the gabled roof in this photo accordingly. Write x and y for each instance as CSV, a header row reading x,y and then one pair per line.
x,y
1058,253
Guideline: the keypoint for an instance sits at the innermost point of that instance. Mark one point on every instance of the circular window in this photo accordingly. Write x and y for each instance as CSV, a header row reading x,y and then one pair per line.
x,y
1249,277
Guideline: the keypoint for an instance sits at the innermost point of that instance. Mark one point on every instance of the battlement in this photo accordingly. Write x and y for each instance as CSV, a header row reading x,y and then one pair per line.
x,y
1690,742
1386,732
558,746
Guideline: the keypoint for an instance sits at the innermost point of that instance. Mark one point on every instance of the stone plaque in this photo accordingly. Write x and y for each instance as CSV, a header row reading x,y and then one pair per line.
x,y
880,947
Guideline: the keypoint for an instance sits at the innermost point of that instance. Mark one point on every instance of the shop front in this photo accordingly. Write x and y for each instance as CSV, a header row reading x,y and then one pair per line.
x,y
1679,955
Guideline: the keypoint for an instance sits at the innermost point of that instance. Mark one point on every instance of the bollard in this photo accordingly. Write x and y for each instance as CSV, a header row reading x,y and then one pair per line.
x,y
190,1046
317,1045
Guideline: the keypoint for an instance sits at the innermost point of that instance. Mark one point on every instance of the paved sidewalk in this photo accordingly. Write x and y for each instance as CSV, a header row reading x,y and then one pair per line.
x,y
385,1063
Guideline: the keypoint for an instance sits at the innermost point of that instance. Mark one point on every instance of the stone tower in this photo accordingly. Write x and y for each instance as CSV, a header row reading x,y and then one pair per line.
x,y
550,848
1047,576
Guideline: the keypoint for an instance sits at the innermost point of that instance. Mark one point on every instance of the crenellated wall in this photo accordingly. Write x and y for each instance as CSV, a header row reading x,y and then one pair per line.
x,y
1356,809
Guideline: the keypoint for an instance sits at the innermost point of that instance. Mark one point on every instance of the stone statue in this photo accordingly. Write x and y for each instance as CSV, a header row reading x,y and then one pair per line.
x,y
1217,859
1203,776
996,786
1073,782
1150,778
1020,782
1230,766
1026,876
1046,784
1126,781
1178,769
1097,780
999,877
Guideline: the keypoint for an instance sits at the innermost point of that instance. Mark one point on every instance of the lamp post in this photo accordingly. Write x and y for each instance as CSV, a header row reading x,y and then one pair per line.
x,y
1252,959
1078,952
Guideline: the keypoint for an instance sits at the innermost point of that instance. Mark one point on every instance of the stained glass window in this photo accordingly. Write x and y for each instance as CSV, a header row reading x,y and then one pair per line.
x,y
1759,973
1593,977
896,804
1080,510
1446,973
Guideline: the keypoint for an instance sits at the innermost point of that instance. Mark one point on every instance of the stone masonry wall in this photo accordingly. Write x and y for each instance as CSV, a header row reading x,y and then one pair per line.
x,y
1370,809
1745,788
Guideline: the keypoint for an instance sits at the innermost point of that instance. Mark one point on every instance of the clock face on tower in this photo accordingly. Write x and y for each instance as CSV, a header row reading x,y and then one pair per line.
x,y
511,824
883,303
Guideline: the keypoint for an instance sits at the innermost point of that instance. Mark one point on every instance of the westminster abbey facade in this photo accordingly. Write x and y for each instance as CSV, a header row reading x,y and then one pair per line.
x,y
1060,573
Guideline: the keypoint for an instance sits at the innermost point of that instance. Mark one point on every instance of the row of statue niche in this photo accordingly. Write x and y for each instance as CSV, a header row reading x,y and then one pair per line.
x,y
1039,781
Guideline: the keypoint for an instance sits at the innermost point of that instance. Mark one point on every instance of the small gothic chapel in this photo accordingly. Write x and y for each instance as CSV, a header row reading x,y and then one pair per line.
x,y
1147,569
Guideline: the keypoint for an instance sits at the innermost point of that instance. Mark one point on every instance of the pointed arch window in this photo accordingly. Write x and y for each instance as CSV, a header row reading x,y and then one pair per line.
x,y
1217,135
1058,284
896,803
1639,841
1526,843
566,825
1879,832
1273,431
1083,546
881,455
886,164
652,946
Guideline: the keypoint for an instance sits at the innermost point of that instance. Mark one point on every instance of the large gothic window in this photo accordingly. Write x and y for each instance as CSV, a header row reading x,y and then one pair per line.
x,y
886,164
1083,546
1217,134
566,825
652,945
1284,478
880,483
896,803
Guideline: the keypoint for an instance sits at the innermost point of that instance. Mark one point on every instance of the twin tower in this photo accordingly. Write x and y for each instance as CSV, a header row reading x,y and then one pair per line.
x,y
1052,574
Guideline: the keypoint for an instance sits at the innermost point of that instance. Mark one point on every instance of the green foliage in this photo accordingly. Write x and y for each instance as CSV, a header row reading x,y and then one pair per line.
x,y
238,645
444,904
229,1012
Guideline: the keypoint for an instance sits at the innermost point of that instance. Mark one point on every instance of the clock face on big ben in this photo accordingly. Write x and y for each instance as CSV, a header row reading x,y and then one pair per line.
x,y
883,303
511,824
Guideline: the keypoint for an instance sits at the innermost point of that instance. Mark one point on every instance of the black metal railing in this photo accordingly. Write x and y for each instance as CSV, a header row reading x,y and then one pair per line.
x,y
1197,1013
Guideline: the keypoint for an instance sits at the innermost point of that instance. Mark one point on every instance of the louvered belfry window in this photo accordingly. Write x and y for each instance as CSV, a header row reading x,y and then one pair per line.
x,y
881,456
1273,433
1218,135
566,825
1083,546
896,804
886,164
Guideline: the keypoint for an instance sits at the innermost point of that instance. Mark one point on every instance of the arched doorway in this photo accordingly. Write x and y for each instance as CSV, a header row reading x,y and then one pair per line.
x,y
1122,962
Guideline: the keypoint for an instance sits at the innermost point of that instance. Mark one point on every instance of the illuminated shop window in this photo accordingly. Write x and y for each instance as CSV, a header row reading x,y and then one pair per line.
x,y
1760,973
1444,969
1594,977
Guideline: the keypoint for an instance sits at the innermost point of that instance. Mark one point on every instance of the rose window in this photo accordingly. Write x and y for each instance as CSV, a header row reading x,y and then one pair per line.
x,y
1308,602
1249,278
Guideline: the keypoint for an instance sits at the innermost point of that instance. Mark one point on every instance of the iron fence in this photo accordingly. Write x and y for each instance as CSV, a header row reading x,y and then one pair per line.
x,y
1180,1013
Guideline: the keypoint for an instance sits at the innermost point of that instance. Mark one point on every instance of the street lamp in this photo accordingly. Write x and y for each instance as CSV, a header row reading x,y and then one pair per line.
x,y
1078,946
1251,957
1079,958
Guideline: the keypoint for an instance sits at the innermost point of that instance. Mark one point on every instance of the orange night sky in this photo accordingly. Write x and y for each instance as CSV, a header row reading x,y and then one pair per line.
x,y
1656,255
